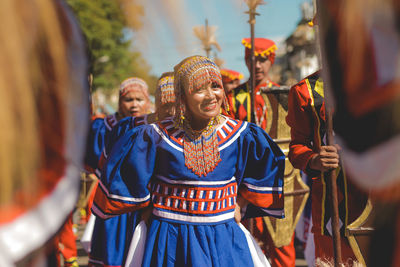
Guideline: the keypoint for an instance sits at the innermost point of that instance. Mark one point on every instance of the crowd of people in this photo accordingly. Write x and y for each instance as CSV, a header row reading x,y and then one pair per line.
x,y
195,178
201,165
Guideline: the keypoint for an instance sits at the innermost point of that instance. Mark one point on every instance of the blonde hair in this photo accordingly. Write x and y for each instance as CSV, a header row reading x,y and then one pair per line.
x,y
33,80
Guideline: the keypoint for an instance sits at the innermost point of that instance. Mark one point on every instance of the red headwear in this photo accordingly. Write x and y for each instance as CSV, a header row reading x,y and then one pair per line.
x,y
230,75
262,47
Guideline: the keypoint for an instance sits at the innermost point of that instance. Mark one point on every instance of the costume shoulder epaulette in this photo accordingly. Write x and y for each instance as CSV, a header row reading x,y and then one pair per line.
x,y
314,77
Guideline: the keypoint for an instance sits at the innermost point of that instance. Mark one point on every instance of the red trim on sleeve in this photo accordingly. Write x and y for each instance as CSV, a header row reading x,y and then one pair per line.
x,y
114,207
263,200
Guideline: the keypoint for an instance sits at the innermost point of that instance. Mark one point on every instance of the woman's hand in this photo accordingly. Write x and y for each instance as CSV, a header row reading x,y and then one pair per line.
x,y
327,159
241,205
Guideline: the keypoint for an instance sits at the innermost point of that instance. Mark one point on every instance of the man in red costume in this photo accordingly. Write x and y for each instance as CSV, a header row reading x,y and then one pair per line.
x,y
308,152
240,101
240,105
230,79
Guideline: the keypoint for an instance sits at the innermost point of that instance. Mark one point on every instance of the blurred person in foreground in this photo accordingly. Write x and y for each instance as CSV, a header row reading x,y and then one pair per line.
x,y
44,104
364,87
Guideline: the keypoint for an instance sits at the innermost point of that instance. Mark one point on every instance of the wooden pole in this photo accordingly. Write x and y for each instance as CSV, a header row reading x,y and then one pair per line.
x,y
332,188
252,22
331,175
207,46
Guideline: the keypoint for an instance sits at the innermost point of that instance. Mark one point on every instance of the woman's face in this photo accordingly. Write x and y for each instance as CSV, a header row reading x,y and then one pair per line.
x,y
204,102
165,110
133,103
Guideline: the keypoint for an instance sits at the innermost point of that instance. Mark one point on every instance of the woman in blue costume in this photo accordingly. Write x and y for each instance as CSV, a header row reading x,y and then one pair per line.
x,y
165,107
197,171
110,236
133,101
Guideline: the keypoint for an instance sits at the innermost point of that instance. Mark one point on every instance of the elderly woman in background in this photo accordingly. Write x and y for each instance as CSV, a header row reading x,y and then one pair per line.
x,y
164,103
133,101
165,107
110,237
196,171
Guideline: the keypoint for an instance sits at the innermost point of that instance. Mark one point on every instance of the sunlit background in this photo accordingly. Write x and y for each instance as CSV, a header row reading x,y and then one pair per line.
x,y
146,38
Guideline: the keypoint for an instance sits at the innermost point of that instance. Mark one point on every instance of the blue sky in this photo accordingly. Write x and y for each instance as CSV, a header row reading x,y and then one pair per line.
x,y
167,36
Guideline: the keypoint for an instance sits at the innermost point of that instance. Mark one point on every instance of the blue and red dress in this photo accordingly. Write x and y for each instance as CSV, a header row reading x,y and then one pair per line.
x,y
193,217
111,237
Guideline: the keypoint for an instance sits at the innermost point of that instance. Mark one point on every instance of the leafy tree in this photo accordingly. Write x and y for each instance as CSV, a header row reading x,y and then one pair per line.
x,y
111,53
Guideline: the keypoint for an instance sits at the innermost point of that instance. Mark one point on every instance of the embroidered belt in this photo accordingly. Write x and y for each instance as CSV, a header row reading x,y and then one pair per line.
x,y
194,203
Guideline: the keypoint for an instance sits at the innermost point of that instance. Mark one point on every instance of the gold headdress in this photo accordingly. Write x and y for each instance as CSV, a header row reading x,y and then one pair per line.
x,y
200,147
165,89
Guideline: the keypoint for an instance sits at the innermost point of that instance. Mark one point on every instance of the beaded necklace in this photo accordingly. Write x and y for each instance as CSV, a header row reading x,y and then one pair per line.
x,y
201,147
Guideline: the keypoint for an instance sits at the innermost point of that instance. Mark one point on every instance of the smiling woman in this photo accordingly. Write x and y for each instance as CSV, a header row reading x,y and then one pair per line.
x,y
200,93
196,171
204,101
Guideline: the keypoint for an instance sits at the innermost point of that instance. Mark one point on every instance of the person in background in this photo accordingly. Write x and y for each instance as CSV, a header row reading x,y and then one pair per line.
x,y
240,101
165,107
133,101
115,235
109,237
165,96
66,241
230,79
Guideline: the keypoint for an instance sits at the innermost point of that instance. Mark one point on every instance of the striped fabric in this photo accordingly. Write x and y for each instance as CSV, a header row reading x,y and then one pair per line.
x,y
109,202
187,200
224,132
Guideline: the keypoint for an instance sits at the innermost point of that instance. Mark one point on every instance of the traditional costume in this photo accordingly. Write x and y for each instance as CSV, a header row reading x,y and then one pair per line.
x,y
110,237
306,117
192,180
240,99
240,106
